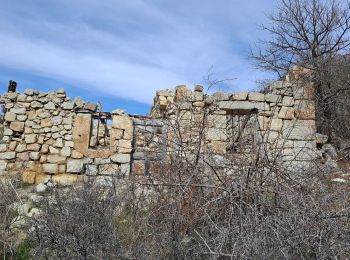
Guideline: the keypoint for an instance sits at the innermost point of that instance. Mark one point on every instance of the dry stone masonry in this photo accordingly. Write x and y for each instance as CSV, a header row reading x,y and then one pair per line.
x,y
49,137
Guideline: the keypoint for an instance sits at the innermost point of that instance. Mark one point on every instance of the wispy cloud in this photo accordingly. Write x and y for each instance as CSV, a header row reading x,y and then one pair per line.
x,y
128,49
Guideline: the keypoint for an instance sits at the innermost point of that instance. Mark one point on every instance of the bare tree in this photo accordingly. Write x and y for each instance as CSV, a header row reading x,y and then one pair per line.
x,y
314,34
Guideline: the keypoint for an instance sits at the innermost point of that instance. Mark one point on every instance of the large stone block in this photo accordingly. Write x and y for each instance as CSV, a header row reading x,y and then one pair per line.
x,y
50,168
286,113
304,92
46,122
75,166
36,104
65,179
3,148
272,98
124,146
3,165
35,156
42,178
68,105
8,132
299,129
17,126
268,123
125,169
122,122
50,106
220,96
239,96
104,181
10,117
182,93
57,120
120,158
109,169
21,118
217,121
28,177
256,96
34,147
243,106
55,158
305,109
91,169
18,110
66,151
288,101
30,139
7,155
22,156
216,134
90,106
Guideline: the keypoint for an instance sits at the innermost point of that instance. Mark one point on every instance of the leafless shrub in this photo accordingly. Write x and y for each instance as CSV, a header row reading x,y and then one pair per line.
x,y
249,209
8,219
78,223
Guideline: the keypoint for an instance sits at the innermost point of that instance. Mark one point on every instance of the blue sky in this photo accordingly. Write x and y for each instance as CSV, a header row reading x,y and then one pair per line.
x,y
121,52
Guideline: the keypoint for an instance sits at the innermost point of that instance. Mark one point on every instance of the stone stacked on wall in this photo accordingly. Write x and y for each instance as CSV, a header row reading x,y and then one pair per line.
x,y
280,122
49,137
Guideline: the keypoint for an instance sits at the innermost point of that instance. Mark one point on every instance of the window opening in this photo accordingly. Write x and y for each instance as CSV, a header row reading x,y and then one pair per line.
x,y
241,129
100,130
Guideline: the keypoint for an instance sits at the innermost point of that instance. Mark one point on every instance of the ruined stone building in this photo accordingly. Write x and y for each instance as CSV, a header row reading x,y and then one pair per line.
x,y
48,136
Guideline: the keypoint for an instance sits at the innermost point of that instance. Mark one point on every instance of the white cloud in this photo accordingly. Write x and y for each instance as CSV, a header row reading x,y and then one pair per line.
x,y
130,48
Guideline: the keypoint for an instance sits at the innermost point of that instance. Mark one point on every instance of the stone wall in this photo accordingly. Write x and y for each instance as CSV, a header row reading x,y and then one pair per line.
x,y
278,124
48,137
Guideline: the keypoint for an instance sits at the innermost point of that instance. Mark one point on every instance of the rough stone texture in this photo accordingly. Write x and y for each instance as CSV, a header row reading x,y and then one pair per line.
x,y
286,113
17,126
7,155
299,130
65,179
75,166
242,105
120,158
91,169
321,139
239,96
50,168
109,169
28,177
55,135
255,96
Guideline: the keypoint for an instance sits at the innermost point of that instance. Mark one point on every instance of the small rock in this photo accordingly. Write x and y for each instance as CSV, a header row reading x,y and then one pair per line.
x,y
339,180
67,105
321,139
36,104
198,88
41,187
330,151
29,92
50,106
90,106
